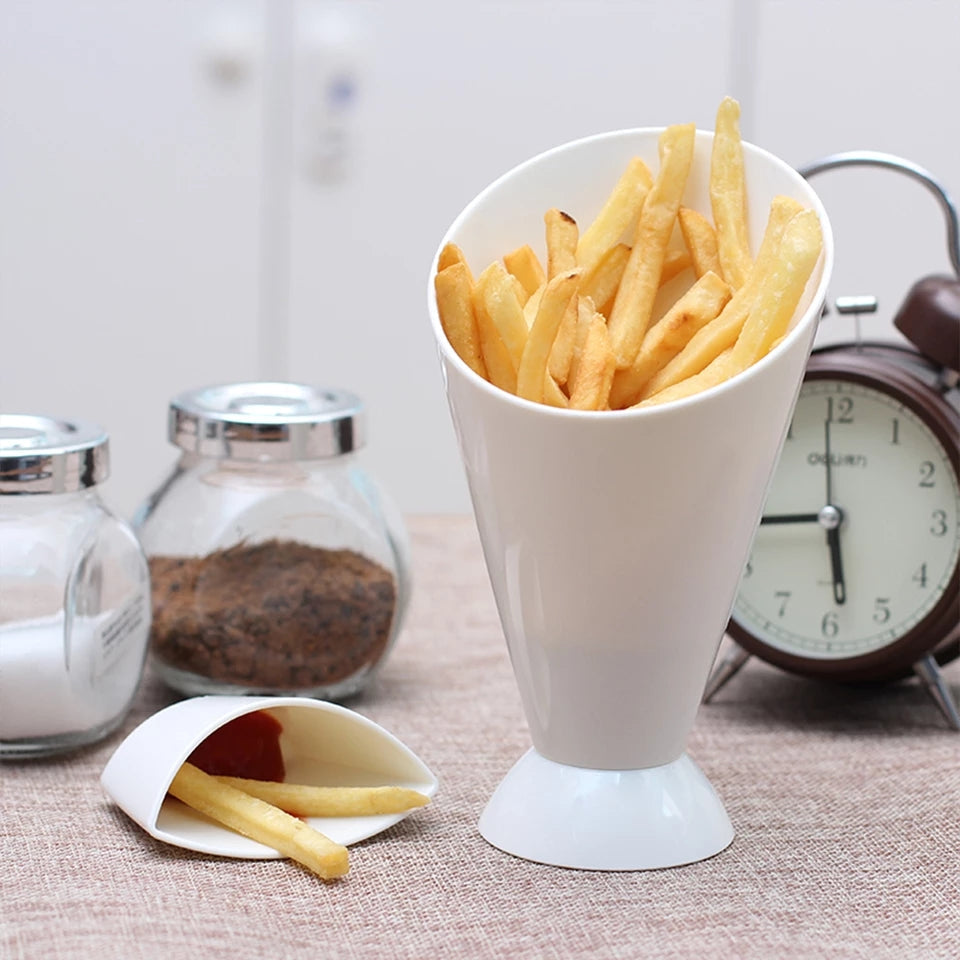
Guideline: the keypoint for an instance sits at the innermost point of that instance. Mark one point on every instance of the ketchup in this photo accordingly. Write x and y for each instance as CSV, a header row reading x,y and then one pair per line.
x,y
248,746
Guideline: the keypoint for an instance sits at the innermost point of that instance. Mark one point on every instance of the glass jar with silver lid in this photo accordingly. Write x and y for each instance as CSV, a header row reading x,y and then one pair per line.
x,y
278,565
74,590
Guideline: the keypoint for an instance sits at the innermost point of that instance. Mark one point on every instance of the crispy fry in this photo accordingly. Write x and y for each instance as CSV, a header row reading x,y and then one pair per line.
x,y
561,353
617,214
531,307
719,369
722,332
496,289
260,821
701,241
601,281
501,370
585,312
301,800
553,305
454,289
521,291
596,368
694,310
728,195
553,396
450,255
674,263
525,266
561,242
641,278
780,289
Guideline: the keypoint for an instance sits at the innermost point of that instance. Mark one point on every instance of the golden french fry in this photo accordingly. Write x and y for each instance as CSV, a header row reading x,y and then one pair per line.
x,y
561,353
693,311
553,305
722,332
780,289
728,195
561,242
641,277
260,821
600,282
595,371
454,289
501,370
674,263
701,241
449,255
531,307
719,369
525,266
302,800
521,291
553,396
619,211
496,290
585,312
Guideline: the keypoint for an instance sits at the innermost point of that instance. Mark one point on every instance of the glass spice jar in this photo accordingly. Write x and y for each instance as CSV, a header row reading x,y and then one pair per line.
x,y
277,564
74,591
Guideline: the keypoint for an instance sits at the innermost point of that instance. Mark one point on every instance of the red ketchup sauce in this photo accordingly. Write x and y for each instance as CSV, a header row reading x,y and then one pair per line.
x,y
248,746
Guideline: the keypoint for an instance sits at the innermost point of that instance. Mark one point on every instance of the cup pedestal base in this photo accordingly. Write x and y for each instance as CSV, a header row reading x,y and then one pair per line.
x,y
606,819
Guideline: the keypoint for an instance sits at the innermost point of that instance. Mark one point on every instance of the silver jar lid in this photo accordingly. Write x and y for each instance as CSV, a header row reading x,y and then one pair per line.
x,y
47,455
267,421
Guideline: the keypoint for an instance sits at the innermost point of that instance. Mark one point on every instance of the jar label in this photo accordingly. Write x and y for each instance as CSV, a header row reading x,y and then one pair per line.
x,y
111,642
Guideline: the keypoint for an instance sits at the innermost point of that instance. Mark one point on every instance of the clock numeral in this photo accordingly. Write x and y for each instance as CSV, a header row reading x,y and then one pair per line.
x,y
920,577
881,612
926,474
829,625
896,431
842,411
783,596
939,519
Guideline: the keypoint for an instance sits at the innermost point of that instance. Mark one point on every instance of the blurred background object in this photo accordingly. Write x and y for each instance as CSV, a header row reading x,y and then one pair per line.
x,y
217,190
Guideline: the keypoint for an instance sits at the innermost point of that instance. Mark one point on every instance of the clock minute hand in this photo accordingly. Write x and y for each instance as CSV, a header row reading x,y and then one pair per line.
x,y
830,518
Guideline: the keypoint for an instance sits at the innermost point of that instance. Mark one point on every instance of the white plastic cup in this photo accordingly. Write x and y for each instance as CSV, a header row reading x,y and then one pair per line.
x,y
615,541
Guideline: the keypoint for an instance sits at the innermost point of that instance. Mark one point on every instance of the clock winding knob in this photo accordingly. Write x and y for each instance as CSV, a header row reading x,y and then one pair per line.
x,y
930,319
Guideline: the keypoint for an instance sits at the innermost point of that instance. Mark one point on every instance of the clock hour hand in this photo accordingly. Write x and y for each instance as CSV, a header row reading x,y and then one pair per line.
x,y
836,565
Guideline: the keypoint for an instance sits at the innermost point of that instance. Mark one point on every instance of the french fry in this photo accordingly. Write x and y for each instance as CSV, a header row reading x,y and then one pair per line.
x,y
553,396
641,277
780,289
701,241
561,353
693,311
728,195
561,242
520,290
619,211
260,821
719,369
501,370
531,307
454,289
674,263
449,255
595,371
553,306
302,800
600,282
722,332
585,312
525,266
497,293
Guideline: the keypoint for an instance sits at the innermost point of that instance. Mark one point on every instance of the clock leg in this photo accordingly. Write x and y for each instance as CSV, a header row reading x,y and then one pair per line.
x,y
929,672
724,670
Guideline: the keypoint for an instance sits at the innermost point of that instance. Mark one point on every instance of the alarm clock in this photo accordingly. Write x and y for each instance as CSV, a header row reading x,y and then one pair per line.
x,y
854,572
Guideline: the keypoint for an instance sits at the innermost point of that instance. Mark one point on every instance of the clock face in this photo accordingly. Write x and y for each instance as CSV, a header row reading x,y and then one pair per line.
x,y
861,530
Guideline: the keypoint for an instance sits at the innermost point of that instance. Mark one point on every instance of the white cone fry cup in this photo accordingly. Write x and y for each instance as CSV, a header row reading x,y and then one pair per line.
x,y
322,744
615,541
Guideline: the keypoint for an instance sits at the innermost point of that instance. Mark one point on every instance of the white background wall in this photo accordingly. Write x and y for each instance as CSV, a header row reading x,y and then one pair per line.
x,y
167,218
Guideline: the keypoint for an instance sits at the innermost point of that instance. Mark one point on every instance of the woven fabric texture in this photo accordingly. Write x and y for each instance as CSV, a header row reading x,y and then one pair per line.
x,y
846,805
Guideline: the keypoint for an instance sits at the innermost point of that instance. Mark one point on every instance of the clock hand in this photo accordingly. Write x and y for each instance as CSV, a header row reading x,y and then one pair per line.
x,y
830,517
790,518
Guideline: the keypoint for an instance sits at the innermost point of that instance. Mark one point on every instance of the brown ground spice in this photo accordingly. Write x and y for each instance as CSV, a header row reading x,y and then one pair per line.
x,y
274,615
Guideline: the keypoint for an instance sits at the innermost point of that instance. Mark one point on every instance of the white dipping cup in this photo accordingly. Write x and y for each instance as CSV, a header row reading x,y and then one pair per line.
x,y
614,541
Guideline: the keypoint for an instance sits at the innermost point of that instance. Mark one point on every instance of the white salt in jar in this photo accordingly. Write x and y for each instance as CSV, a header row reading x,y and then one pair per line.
x,y
74,591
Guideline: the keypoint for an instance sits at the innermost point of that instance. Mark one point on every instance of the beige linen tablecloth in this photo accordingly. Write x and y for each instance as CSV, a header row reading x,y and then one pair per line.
x,y
846,806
